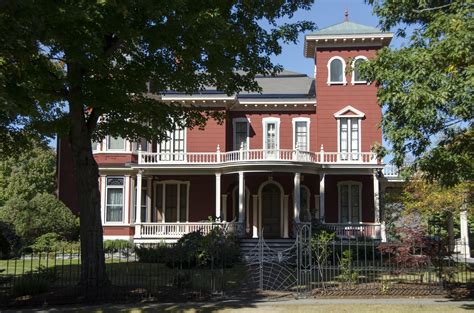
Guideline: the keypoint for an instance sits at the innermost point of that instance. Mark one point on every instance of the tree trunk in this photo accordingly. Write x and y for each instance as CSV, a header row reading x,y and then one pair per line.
x,y
93,274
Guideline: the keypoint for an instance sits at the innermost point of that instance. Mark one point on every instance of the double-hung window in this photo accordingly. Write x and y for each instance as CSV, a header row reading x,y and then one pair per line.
x,y
172,202
350,202
115,199
301,134
173,148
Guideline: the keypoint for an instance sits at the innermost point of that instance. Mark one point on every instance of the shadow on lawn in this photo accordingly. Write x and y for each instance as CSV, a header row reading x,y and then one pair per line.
x,y
130,282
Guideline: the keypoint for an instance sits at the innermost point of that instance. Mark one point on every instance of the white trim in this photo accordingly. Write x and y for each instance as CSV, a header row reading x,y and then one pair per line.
x,y
102,197
127,199
234,122
329,37
344,80
163,209
349,183
308,132
118,237
260,208
359,57
357,113
271,120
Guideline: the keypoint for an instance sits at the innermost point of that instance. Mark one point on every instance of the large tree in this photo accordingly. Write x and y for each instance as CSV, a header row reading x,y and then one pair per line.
x,y
426,87
65,64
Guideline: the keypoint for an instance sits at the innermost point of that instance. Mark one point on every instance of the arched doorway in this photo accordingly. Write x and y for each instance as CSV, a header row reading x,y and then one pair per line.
x,y
271,208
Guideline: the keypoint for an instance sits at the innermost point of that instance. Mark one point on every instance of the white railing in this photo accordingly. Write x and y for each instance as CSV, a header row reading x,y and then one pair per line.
x,y
253,155
391,170
368,230
175,230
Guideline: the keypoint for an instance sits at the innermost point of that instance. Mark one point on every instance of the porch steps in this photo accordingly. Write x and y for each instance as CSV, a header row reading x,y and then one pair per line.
x,y
249,244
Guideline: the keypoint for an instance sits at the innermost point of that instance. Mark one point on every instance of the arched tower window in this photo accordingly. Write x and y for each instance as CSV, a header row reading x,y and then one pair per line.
x,y
356,75
336,68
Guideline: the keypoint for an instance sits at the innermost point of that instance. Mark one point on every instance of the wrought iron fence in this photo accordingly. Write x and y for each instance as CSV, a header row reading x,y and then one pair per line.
x,y
338,267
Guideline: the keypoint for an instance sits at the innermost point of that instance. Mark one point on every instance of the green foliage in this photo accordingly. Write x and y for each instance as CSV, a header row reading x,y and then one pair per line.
x,y
348,274
194,250
112,246
27,172
51,242
320,244
426,87
43,214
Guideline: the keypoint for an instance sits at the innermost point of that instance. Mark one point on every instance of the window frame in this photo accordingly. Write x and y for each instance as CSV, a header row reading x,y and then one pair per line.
x,y
353,81
265,122
109,150
355,114
307,120
124,200
344,79
234,133
172,152
163,199
349,183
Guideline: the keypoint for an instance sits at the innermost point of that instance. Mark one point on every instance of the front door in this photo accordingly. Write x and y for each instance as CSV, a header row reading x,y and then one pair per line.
x,y
271,211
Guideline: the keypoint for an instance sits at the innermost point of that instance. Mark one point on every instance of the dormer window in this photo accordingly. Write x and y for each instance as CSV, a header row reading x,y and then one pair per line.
x,y
336,69
356,75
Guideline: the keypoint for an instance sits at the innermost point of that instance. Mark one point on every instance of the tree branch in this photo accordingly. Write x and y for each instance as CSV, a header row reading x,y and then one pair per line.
x,y
92,120
433,8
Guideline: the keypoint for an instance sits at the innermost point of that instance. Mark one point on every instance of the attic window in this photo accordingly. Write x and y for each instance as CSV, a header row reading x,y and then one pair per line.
x,y
336,68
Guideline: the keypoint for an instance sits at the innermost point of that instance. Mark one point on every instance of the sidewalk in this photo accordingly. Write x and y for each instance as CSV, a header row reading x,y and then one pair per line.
x,y
288,305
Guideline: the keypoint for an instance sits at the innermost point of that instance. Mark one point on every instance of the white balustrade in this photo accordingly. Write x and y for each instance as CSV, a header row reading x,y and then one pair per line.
x,y
355,230
391,170
175,230
254,155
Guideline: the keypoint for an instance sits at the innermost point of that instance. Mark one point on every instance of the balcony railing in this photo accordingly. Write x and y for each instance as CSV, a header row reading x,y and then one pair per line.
x,y
256,155
367,230
391,170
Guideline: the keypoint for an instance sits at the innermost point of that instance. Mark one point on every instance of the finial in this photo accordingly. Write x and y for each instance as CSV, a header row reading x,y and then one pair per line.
x,y
346,15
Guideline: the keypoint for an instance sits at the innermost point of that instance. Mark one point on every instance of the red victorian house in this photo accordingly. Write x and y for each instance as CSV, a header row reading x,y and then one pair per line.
x,y
300,150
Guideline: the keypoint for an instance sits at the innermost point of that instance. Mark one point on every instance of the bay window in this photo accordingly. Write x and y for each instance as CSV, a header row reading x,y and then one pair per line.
x,y
115,143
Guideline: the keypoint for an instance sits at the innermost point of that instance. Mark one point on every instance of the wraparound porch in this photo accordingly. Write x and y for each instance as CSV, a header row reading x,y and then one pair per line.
x,y
146,232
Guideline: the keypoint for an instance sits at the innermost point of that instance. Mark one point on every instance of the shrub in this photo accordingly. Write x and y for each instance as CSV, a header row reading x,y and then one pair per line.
x,y
156,254
51,242
112,246
43,214
348,274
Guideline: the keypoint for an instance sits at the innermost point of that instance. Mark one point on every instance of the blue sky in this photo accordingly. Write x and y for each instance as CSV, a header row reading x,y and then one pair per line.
x,y
325,13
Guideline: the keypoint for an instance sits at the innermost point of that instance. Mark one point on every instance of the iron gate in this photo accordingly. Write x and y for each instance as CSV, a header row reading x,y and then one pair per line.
x,y
289,269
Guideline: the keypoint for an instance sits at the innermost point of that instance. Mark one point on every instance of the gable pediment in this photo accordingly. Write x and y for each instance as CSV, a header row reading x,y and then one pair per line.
x,y
349,111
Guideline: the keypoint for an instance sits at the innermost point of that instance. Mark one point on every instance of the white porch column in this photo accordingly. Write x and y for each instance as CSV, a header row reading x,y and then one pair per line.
x,y
241,197
322,212
285,216
296,197
255,216
464,244
126,199
138,215
224,207
218,196
376,198
148,199
103,180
